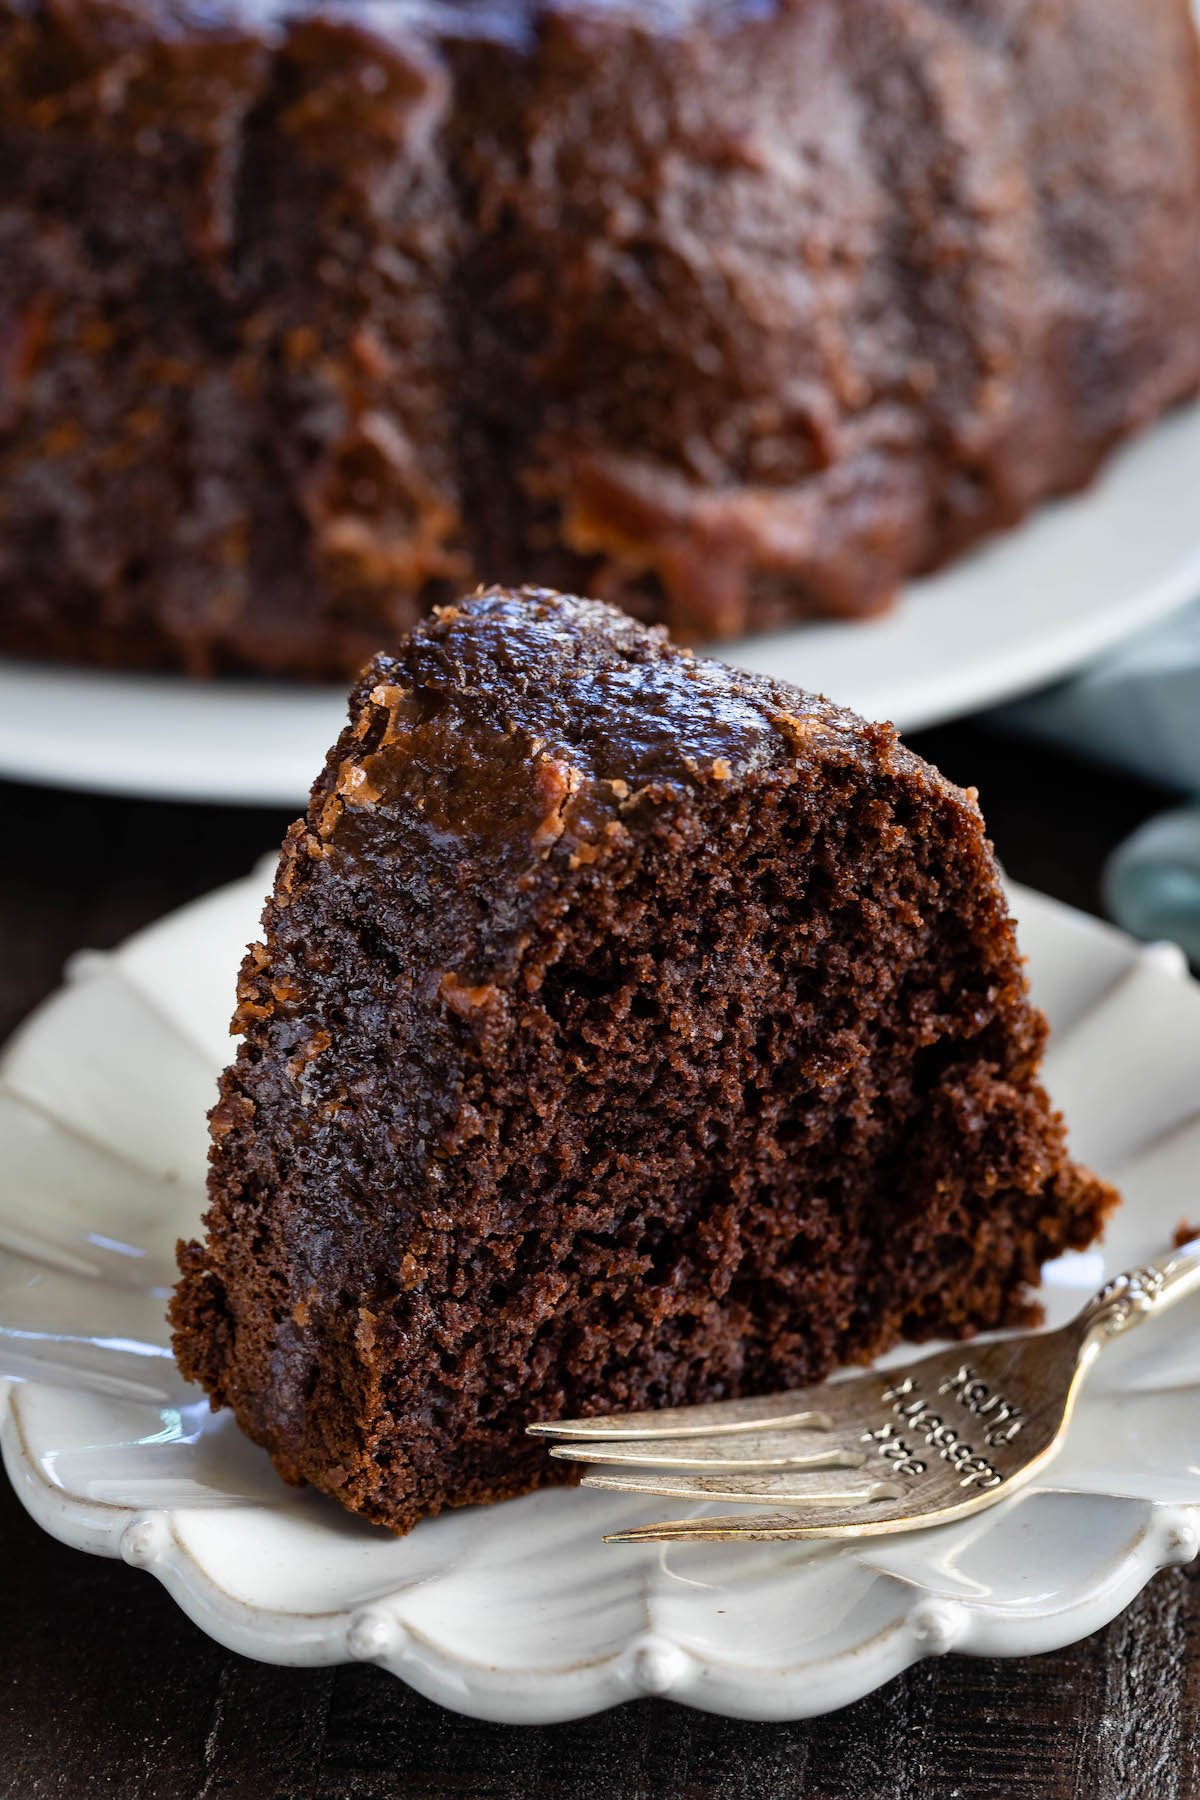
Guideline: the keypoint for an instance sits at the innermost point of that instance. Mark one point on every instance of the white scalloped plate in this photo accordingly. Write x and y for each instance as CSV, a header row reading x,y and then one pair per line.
x,y
1074,580
519,1612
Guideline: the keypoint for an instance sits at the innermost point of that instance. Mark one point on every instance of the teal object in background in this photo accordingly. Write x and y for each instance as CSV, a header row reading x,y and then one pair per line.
x,y
1152,883
1139,709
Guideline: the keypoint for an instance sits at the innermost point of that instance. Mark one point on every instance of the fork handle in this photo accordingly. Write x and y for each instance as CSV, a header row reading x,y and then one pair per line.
x,y
1129,1299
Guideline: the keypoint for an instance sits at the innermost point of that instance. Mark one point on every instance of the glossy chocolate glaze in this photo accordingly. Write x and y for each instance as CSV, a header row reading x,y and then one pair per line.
x,y
312,315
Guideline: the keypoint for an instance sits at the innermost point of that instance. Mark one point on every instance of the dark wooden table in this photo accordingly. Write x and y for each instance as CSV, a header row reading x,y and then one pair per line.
x,y
106,1689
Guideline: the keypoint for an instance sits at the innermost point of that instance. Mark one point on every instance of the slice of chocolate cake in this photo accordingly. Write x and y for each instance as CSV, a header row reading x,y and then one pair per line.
x,y
627,1031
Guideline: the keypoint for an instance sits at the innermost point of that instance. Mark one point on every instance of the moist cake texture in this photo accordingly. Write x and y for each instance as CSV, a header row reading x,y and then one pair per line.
x,y
315,312
625,1031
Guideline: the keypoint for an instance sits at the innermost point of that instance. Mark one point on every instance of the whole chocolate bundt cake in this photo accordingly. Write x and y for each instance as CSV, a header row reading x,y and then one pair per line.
x,y
625,1031
314,311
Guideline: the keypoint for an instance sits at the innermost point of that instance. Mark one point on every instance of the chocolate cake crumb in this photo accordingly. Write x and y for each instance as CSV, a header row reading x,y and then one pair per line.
x,y
656,1033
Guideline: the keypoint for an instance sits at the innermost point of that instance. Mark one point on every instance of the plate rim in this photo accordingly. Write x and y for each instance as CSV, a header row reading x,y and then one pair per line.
x,y
651,1665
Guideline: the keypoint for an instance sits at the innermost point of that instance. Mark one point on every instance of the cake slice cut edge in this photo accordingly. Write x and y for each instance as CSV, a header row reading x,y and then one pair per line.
x,y
626,1031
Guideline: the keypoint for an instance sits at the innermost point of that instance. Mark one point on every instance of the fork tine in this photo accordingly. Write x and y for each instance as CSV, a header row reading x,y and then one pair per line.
x,y
763,1528
719,1456
818,1487
797,1411
887,1510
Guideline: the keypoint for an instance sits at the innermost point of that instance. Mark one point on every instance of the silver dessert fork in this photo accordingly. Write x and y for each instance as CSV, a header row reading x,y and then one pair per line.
x,y
876,1452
